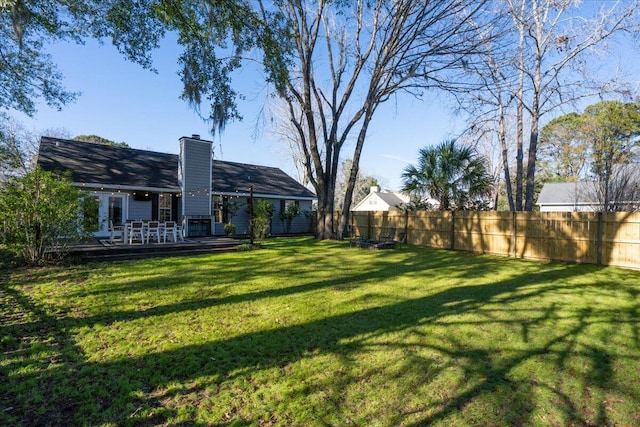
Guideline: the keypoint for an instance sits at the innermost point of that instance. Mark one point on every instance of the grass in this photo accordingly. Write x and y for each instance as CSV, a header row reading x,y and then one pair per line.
x,y
317,333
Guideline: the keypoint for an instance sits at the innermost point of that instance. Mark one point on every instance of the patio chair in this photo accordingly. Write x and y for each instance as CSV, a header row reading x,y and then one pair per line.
x,y
113,229
170,231
358,241
388,234
136,232
153,230
179,232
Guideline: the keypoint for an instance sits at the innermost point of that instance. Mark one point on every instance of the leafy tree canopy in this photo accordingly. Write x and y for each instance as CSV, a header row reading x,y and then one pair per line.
x,y
100,140
606,133
612,128
214,35
28,73
562,153
40,213
454,175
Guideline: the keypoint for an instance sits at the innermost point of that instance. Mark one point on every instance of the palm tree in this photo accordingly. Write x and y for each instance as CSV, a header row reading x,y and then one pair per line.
x,y
455,176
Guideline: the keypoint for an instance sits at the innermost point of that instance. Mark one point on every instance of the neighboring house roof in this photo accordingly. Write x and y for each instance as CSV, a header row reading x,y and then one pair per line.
x,y
623,192
392,199
230,177
380,201
99,164
567,193
94,164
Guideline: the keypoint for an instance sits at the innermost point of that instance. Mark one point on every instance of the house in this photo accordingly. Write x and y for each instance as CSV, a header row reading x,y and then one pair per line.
x,y
191,187
576,196
623,193
378,200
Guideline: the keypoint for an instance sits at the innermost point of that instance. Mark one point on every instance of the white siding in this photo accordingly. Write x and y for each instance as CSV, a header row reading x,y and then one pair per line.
x,y
372,202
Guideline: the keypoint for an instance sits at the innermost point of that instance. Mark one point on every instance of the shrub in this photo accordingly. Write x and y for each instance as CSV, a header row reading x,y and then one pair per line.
x,y
263,209
40,213
262,212
287,215
245,247
260,228
229,229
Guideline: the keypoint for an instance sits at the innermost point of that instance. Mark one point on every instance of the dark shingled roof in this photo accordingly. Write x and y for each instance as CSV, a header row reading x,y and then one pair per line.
x,y
93,163
229,177
100,164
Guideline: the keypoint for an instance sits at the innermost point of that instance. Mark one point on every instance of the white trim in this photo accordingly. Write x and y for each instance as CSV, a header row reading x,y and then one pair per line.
x,y
103,210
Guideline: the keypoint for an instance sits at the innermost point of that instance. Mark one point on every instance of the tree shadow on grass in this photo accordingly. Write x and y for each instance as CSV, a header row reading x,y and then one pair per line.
x,y
143,390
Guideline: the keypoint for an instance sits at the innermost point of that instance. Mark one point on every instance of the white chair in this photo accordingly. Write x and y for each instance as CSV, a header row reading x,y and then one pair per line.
x,y
113,229
170,231
153,230
179,233
136,232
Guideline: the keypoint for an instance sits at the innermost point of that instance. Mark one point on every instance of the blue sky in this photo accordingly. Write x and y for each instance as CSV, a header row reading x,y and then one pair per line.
x,y
123,102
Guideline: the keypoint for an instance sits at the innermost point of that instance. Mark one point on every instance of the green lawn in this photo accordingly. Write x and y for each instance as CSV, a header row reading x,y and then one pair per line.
x,y
317,333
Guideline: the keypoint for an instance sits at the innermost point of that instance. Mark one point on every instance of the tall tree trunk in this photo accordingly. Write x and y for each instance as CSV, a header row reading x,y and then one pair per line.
x,y
531,162
502,135
520,123
324,216
519,157
535,112
353,175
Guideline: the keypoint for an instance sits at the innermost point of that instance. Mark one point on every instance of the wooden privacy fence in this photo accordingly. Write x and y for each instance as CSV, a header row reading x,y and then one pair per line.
x,y
588,237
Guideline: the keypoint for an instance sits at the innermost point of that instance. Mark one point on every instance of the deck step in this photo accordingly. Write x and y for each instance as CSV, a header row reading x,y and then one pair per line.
x,y
157,254
99,252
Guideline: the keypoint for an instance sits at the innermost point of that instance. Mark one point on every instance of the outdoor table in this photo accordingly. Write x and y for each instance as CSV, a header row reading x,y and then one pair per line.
x,y
145,224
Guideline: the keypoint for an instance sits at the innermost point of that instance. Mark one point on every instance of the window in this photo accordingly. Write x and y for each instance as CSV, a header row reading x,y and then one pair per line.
x,y
164,207
91,213
225,208
284,204
115,209
220,208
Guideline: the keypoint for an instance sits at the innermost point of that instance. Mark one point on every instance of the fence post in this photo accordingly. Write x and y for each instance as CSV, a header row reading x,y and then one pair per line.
x,y
599,230
406,226
353,232
452,244
514,232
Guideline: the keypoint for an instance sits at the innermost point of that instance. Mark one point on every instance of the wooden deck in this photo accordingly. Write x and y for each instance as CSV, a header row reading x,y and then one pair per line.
x,y
101,250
